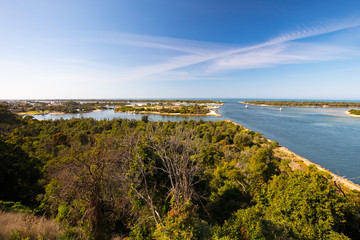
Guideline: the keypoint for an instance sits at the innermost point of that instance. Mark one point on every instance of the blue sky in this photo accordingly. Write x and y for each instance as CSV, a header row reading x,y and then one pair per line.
x,y
179,49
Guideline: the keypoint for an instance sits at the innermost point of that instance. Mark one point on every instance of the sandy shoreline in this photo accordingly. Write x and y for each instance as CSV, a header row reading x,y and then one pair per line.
x,y
212,113
298,162
55,113
305,106
352,115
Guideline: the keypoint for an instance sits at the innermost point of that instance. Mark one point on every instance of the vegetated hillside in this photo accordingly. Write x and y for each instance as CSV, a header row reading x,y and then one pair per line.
x,y
166,180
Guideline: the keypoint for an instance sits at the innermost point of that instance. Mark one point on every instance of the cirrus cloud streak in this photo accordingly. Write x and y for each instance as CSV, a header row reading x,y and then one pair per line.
x,y
202,58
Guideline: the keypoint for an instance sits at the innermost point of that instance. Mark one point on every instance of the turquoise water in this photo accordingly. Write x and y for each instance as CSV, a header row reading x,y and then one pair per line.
x,y
326,136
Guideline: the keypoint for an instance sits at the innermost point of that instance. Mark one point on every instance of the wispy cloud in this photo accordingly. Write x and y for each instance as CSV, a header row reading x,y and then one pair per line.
x,y
325,28
214,57
289,53
77,61
166,43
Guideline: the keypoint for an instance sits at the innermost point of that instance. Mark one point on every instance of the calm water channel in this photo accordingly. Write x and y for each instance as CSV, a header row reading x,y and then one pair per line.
x,y
326,136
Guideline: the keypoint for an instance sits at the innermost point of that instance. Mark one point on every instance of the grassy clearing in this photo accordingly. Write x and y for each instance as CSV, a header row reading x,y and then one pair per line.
x,y
27,226
32,113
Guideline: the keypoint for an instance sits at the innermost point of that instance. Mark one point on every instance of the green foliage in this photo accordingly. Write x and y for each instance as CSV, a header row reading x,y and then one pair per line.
x,y
145,118
142,230
6,117
261,166
245,224
19,174
315,213
167,180
14,206
182,224
86,187
354,112
301,205
185,109
228,191
243,139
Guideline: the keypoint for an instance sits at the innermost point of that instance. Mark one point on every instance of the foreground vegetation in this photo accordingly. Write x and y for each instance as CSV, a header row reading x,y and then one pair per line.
x,y
305,104
14,225
164,180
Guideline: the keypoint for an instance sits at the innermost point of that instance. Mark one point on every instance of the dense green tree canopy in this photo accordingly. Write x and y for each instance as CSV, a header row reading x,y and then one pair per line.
x,y
167,180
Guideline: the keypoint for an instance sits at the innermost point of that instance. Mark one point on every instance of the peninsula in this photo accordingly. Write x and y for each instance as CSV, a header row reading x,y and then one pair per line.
x,y
175,108
285,103
353,113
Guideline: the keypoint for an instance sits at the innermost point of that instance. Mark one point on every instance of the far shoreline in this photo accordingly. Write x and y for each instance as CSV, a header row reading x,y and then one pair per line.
x,y
296,106
212,113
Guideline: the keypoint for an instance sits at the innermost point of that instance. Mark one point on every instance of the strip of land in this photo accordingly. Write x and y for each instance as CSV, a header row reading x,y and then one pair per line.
x,y
172,109
321,104
353,113
212,113
299,163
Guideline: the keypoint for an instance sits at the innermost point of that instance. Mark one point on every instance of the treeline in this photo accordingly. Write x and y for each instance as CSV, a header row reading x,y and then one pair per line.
x,y
132,109
77,107
305,104
166,180
166,101
65,107
190,109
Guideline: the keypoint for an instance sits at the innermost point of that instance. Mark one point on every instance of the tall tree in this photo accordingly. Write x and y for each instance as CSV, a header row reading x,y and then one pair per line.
x,y
88,181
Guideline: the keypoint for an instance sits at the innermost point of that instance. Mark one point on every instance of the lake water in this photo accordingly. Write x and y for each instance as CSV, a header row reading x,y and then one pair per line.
x,y
326,136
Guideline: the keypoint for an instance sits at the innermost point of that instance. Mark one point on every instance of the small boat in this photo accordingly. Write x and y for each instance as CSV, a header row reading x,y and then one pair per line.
x,y
246,106
280,109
